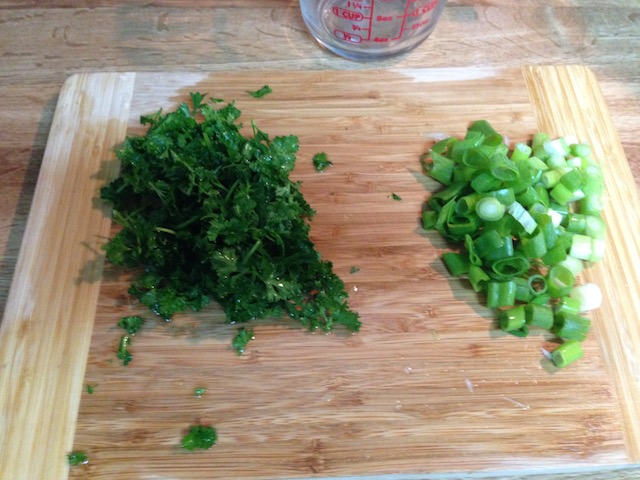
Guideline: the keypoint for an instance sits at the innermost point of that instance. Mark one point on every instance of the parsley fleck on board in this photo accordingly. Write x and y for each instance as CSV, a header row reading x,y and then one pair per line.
x,y
265,90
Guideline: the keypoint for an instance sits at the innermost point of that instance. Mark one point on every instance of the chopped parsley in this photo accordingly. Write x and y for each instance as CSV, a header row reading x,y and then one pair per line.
x,y
321,161
91,389
77,458
396,196
207,214
199,436
242,338
199,392
131,324
261,92
123,350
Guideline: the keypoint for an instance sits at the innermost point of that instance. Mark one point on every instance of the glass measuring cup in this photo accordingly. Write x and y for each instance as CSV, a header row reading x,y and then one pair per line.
x,y
371,29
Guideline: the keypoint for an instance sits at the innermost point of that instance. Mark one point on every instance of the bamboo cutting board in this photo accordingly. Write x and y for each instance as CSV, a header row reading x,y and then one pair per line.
x,y
428,387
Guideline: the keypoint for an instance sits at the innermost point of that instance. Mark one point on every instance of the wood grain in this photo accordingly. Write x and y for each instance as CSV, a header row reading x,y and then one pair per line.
x,y
568,101
46,331
427,387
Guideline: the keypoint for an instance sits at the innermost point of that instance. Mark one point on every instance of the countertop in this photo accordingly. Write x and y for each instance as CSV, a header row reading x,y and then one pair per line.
x,y
43,42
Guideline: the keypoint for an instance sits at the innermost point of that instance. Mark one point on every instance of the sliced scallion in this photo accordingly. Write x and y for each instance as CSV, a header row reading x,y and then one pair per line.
x,y
528,221
567,353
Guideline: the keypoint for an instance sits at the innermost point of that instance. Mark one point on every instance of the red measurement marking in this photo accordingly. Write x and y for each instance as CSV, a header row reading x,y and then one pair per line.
x,y
347,37
347,14
381,18
404,21
420,24
370,17
425,9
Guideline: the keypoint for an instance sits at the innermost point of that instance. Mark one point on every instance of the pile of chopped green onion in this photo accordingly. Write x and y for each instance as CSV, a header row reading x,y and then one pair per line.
x,y
526,222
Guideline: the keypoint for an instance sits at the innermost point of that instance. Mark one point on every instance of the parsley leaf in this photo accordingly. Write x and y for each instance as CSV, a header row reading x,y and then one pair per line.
x,y
320,161
77,458
199,436
242,338
131,324
261,92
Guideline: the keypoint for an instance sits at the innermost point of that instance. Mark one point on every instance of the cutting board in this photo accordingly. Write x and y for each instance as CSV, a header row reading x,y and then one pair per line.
x,y
429,386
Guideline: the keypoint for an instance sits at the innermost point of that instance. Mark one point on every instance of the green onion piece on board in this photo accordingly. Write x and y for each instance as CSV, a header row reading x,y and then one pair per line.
x,y
457,263
568,305
560,281
567,353
537,284
478,278
571,327
510,267
490,209
539,315
523,292
501,294
512,319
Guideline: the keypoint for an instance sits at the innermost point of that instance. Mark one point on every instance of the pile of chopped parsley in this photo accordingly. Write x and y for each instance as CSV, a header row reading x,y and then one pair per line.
x,y
208,214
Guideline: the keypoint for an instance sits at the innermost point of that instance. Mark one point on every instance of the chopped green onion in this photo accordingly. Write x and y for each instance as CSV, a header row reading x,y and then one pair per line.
x,y
506,196
560,281
505,250
456,263
490,209
580,150
537,284
478,278
504,169
440,168
581,247
518,212
568,305
529,220
575,265
597,249
467,203
528,197
555,254
571,327
588,295
476,158
509,267
534,246
521,151
576,223
429,219
562,194
556,147
595,227
512,319
485,182
567,353
539,139
572,179
487,242
523,292
501,294
539,315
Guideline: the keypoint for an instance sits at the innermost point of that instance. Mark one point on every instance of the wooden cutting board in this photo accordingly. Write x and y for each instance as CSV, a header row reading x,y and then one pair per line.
x,y
428,386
